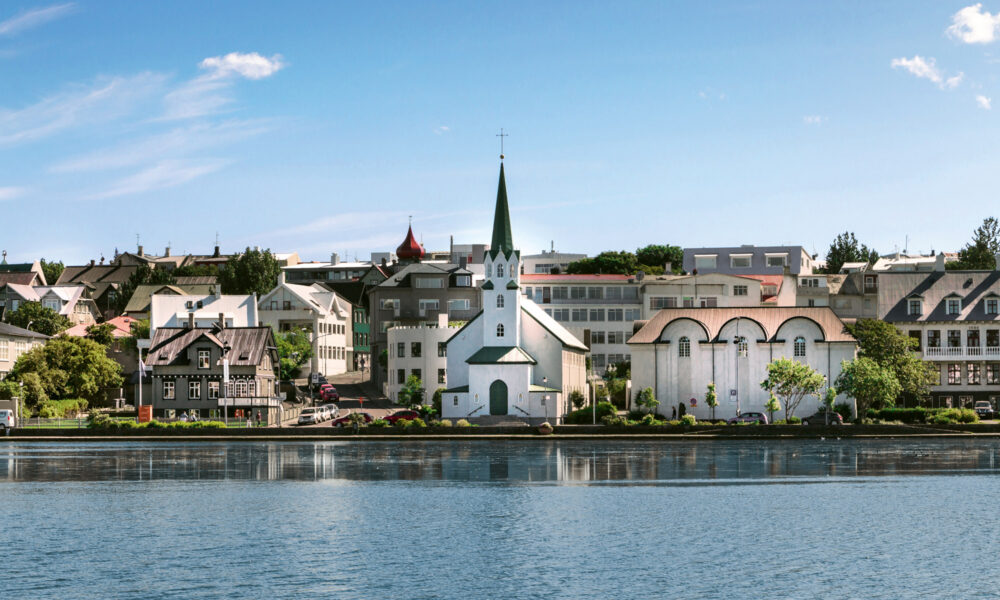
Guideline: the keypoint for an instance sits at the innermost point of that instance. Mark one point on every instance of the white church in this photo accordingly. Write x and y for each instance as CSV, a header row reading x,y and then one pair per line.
x,y
511,359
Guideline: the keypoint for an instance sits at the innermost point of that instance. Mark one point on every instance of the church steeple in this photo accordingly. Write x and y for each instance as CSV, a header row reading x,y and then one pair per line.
x,y
503,238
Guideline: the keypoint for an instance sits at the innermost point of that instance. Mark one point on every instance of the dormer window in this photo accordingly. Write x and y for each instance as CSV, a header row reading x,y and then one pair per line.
x,y
500,270
914,307
953,306
189,304
992,306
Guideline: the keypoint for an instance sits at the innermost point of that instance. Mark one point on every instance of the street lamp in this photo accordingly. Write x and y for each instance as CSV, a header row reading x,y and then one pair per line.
x,y
226,347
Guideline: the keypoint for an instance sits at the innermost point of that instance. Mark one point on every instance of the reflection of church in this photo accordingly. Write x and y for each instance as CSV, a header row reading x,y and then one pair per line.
x,y
512,358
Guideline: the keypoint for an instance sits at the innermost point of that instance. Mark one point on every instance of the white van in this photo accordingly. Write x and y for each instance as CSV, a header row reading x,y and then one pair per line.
x,y
6,420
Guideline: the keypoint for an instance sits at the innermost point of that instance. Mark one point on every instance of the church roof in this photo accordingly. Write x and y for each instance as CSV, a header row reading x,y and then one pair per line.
x,y
551,325
497,355
503,237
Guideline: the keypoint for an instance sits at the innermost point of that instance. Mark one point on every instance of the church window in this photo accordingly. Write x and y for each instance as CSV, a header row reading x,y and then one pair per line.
x,y
500,270
500,330
684,347
500,301
800,347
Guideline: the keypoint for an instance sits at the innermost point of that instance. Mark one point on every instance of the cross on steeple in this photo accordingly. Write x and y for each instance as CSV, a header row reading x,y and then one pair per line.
x,y
502,135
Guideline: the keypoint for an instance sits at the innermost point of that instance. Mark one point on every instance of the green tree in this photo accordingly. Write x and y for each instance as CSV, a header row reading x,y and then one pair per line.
x,y
103,334
772,406
38,318
52,271
792,381
143,275
646,400
656,255
981,252
196,271
69,367
412,392
890,348
606,263
870,384
294,350
254,271
845,248
436,399
577,399
711,398
829,398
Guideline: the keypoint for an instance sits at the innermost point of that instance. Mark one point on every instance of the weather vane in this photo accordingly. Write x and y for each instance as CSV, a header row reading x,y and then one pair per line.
x,y
502,135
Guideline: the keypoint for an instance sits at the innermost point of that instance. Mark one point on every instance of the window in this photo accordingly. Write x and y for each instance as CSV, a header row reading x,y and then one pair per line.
x,y
811,303
616,337
241,388
168,390
204,357
613,293
954,374
768,290
441,376
992,374
52,304
194,390
705,261
632,314
595,293
616,314
688,302
4,350
972,337
401,350
500,330
579,314
400,376
286,305
428,304
776,260
463,281
630,293
596,337
614,359
954,338
953,306
684,347
417,373
598,362
213,390
658,302
560,293
740,261
974,371
499,300
389,303
992,306
740,290
993,338
710,302
454,400
933,338
428,282
560,314
871,283
458,305
415,349
577,293
799,349
597,314
442,349
913,307
500,270
742,348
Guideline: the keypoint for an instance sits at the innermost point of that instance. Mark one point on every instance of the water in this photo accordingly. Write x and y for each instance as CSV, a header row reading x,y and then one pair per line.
x,y
475,519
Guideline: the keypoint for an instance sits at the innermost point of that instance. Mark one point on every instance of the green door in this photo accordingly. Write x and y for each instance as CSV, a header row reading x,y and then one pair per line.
x,y
498,398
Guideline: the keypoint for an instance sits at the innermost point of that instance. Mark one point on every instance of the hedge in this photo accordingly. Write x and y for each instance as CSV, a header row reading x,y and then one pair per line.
x,y
585,416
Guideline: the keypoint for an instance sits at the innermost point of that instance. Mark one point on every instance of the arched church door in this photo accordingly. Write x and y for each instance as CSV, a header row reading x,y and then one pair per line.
x,y
498,398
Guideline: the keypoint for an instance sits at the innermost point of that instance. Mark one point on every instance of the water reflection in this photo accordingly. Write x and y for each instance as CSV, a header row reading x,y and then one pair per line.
x,y
544,461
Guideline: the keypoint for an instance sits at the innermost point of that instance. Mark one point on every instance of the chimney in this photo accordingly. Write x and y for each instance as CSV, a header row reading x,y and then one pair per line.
x,y
218,290
91,262
996,258
222,320
668,267
281,277
140,252
443,320
166,252
334,259
463,261
939,262
190,320
217,253
383,261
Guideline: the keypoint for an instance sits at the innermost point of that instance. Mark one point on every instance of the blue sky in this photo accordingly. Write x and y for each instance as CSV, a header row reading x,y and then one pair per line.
x,y
320,127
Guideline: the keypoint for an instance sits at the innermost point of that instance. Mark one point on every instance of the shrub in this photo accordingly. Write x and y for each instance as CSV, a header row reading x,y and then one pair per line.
x,y
954,415
793,420
211,424
444,423
613,420
577,399
156,425
674,423
418,423
462,423
906,415
48,411
844,410
379,423
584,416
650,419
688,420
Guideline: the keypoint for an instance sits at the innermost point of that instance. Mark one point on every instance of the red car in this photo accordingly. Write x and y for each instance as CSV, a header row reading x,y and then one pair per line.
x,y
402,415
329,393
345,421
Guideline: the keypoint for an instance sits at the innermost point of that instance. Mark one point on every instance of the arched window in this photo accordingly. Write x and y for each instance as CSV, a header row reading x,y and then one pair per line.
x,y
489,270
500,330
684,347
741,346
800,347
500,301
500,270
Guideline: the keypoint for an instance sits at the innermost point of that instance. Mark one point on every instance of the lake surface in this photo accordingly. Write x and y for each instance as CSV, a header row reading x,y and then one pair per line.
x,y
477,519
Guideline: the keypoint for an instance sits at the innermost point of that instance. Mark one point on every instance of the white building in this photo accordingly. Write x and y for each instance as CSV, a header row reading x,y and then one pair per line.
x,y
69,301
15,341
202,310
320,312
679,352
512,358
544,263
420,350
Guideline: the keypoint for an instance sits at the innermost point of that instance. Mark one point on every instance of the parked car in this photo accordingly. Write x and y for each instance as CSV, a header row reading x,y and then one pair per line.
x,y
345,421
330,394
310,416
324,413
332,409
749,417
7,420
402,415
822,418
983,409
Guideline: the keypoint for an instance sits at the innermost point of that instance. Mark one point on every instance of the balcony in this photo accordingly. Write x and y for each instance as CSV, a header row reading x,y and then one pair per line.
x,y
963,352
249,401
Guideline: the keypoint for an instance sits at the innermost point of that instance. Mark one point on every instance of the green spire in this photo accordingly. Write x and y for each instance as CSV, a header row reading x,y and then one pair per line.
x,y
503,239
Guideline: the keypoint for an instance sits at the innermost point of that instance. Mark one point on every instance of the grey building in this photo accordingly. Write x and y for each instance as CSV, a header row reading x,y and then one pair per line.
x,y
749,260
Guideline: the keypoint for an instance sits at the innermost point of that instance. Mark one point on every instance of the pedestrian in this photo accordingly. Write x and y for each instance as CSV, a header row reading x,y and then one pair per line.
x,y
249,420
258,419
673,413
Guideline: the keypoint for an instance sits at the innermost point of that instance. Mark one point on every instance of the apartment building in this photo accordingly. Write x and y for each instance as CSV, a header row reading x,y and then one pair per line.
x,y
750,260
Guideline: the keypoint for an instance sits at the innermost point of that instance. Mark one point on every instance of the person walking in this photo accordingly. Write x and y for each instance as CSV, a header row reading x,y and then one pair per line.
x,y
258,419
249,420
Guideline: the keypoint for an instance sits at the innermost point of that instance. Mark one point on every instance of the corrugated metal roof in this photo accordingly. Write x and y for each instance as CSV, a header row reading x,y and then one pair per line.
x,y
553,326
769,318
7,329
972,287
248,344
501,355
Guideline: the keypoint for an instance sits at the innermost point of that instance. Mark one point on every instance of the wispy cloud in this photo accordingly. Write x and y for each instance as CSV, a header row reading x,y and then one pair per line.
x,y
210,93
983,102
973,25
34,18
441,130
165,174
106,98
9,193
926,68
250,66
813,119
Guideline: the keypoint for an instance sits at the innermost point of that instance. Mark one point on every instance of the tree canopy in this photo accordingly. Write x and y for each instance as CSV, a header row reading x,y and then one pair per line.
x,y
891,349
38,318
254,271
412,392
650,259
870,384
656,255
52,271
294,350
67,367
845,248
103,334
196,271
791,381
980,253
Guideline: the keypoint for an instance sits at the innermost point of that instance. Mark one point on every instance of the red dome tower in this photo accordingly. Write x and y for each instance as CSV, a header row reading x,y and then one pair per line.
x,y
410,249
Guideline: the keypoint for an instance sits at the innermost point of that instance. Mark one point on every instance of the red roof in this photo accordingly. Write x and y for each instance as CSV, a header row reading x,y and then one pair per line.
x,y
410,249
123,327
560,277
774,280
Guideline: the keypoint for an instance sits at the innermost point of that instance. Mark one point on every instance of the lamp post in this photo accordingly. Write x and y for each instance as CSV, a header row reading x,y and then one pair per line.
x,y
226,347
